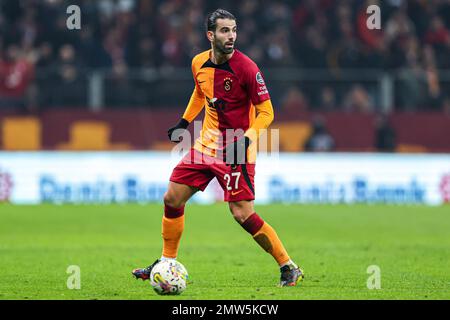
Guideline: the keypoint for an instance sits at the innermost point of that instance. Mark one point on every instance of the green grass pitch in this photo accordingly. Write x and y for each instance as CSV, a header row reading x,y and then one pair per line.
x,y
334,244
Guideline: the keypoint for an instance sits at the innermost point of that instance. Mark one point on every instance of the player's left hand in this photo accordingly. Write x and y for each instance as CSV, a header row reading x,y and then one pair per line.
x,y
236,153
174,134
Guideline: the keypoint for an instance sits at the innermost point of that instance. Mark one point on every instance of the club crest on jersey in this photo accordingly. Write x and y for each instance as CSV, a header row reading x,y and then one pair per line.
x,y
227,84
259,78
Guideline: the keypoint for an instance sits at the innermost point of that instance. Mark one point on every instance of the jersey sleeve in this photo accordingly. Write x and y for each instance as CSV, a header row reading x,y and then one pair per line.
x,y
264,117
255,84
197,101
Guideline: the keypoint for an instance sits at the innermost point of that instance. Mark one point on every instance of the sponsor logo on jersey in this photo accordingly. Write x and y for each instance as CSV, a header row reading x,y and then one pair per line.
x,y
262,90
217,104
259,78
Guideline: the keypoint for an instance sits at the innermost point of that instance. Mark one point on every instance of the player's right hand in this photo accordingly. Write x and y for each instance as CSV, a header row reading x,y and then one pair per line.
x,y
236,153
176,136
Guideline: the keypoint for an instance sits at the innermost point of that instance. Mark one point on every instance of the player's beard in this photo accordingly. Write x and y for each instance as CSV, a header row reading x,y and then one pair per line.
x,y
220,47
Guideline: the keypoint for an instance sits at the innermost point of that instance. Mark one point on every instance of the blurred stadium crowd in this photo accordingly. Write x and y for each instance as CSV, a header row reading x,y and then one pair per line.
x,y
326,35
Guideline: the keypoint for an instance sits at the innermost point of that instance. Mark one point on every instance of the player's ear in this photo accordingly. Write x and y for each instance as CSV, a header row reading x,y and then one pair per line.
x,y
210,35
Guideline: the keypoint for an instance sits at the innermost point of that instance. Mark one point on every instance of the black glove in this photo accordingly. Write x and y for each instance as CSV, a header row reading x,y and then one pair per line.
x,y
182,124
236,153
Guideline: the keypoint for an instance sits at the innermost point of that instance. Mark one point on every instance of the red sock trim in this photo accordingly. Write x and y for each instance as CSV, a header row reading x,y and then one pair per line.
x,y
253,224
172,213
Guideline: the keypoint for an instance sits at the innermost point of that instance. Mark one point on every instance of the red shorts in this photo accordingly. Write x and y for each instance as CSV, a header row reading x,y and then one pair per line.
x,y
197,170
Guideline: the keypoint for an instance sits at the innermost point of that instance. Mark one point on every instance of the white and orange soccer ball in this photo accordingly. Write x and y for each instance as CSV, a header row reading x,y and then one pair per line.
x,y
169,277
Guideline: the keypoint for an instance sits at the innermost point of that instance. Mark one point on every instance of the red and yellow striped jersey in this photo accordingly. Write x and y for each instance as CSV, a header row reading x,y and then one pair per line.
x,y
234,95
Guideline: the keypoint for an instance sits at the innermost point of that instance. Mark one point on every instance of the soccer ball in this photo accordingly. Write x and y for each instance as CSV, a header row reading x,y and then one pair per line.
x,y
168,277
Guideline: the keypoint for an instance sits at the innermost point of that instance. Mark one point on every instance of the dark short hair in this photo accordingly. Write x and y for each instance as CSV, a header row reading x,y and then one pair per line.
x,y
211,20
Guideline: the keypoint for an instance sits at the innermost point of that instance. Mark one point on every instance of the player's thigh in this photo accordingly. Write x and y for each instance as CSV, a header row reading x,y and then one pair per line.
x,y
241,210
193,174
178,194
187,178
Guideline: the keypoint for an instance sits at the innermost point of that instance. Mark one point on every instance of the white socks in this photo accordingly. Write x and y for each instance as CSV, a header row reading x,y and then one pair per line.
x,y
289,263
169,259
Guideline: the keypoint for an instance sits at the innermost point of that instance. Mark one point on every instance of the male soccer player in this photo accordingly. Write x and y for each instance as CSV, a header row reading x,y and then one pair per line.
x,y
231,88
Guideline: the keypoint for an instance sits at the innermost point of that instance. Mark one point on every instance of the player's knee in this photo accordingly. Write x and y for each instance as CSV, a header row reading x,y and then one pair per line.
x,y
171,200
239,212
240,216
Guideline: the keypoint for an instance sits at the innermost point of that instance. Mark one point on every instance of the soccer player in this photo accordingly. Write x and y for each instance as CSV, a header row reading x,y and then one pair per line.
x,y
231,88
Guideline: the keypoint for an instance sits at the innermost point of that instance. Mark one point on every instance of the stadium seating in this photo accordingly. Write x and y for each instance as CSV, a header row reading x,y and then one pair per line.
x,y
293,135
411,148
91,136
21,133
